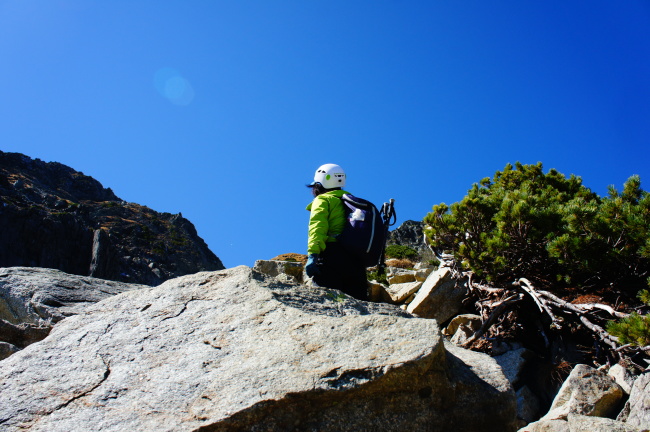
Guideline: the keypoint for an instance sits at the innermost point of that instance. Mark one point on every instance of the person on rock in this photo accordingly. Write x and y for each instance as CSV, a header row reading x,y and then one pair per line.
x,y
329,264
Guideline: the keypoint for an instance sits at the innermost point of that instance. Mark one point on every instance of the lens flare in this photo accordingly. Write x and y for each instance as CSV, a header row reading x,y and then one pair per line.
x,y
172,86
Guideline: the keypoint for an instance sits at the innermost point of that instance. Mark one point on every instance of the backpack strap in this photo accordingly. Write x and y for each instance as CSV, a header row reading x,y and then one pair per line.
x,y
347,198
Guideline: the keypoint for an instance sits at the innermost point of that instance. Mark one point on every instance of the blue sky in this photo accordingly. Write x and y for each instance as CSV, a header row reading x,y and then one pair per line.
x,y
222,110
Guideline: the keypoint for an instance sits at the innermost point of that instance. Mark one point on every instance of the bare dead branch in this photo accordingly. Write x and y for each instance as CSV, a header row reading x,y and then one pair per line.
x,y
609,309
496,312
528,287
602,334
583,307
561,304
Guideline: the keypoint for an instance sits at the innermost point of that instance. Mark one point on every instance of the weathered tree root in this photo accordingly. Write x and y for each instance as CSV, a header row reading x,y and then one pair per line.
x,y
495,302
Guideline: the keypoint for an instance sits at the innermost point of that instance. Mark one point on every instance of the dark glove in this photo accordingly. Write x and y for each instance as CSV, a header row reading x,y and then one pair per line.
x,y
312,268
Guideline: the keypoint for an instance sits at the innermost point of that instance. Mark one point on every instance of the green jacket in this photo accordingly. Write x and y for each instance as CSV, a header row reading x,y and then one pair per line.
x,y
326,220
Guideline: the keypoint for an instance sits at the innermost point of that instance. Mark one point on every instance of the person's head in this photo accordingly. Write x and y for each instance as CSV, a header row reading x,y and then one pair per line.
x,y
327,177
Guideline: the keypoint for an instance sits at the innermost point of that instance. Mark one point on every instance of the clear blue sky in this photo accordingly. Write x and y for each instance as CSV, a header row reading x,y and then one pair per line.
x,y
222,110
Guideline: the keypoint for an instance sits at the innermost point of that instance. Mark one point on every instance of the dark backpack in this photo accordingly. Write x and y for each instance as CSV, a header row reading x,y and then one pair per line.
x,y
365,230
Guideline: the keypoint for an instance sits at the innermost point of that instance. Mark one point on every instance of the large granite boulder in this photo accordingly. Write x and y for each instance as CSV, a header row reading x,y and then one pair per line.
x,y
440,296
233,350
586,391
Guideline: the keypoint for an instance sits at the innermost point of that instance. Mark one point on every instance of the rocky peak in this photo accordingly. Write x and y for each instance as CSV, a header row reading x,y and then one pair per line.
x,y
41,182
55,217
411,234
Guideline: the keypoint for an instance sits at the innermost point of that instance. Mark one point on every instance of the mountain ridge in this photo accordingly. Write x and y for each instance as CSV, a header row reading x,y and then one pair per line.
x,y
53,216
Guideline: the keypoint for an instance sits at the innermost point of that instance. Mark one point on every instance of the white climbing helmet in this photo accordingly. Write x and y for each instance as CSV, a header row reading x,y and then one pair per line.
x,y
330,176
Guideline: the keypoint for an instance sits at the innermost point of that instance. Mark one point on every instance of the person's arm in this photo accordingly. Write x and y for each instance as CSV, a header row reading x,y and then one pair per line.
x,y
318,226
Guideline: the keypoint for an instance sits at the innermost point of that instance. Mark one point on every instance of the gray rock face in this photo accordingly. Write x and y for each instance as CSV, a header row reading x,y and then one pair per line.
x,y
37,295
622,377
440,297
229,350
287,270
587,391
583,423
580,423
547,426
411,234
398,276
513,363
461,327
638,406
33,299
398,293
528,405
15,337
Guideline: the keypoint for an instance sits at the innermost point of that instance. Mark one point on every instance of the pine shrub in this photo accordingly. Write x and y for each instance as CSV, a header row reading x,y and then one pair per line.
x,y
401,252
548,227
634,329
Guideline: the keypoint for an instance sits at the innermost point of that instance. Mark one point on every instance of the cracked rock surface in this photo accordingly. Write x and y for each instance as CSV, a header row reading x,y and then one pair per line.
x,y
230,350
38,295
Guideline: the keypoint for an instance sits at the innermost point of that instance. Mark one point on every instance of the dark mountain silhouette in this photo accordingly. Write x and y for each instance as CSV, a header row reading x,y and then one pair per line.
x,y
55,217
